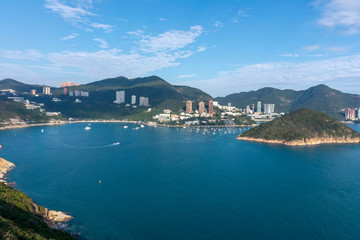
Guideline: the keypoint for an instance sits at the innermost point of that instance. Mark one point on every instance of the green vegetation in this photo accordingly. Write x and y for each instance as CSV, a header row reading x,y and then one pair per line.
x,y
301,124
21,218
243,120
9,109
320,98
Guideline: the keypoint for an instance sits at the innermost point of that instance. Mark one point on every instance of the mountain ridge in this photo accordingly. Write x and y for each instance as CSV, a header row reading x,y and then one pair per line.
x,y
319,97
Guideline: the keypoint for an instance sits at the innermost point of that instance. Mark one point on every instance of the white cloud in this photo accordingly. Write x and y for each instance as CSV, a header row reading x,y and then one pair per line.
x,y
293,55
343,15
106,27
240,14
218,24
186,76
157,52
334,71
338,49
73,14
171,40
311,48
163,19
136,33
71,36
113,62
79,15
201,49
102,42
16,54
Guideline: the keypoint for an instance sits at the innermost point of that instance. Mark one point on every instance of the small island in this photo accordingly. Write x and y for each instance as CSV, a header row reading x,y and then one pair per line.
x,y
302,127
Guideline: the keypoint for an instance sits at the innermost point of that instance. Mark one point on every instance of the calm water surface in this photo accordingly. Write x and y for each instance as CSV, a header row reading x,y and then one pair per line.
x,y
167,183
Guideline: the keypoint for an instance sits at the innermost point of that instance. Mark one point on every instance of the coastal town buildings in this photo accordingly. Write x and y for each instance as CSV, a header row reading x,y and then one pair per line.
x,y
65,91
33,91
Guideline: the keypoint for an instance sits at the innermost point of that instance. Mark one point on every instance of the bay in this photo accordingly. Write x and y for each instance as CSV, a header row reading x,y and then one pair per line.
x,y
171,183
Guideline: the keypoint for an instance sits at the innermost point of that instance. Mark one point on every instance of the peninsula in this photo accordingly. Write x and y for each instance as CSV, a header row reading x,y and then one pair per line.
x,y
302,127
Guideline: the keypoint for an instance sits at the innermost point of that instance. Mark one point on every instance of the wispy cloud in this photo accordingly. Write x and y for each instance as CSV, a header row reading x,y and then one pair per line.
x,y
186,76
311,48
16,54
171,40
293,55
338,49
343,15
218,24
78,15
163,19
102,42
106,27
240,14
149,54
201,49
72,14
71,36
334,71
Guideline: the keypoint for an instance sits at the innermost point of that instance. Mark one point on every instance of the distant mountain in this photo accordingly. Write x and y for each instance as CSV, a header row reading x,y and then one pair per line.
x,y
320,98
302,127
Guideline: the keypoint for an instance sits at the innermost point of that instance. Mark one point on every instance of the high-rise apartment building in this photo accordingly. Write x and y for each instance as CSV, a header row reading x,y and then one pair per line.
x,y
144,101
133,99
46,90
269,108
188,106
69,84
120,97
65,91
202,107
33,91
211,107
258,109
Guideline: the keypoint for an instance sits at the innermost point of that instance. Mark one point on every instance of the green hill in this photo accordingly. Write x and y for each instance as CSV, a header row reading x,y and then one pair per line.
x,y
9,83
10,109
320,98
100,104
302,127
21,218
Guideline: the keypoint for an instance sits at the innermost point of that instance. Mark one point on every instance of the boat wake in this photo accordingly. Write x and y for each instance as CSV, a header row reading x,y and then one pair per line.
x,y
91,147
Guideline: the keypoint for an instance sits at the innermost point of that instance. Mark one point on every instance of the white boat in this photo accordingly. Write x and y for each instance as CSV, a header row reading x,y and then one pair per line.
x,y
142,126
125,127
42,130
87,128
137,128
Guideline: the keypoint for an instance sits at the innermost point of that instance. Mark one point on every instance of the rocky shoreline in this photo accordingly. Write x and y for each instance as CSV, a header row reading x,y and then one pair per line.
x,y
55,219
303,142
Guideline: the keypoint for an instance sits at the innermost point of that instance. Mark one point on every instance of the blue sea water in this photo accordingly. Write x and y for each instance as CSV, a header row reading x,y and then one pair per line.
x,y
168,183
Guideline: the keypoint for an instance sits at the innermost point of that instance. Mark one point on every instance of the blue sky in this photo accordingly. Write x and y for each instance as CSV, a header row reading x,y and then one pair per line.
x,y
221,47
